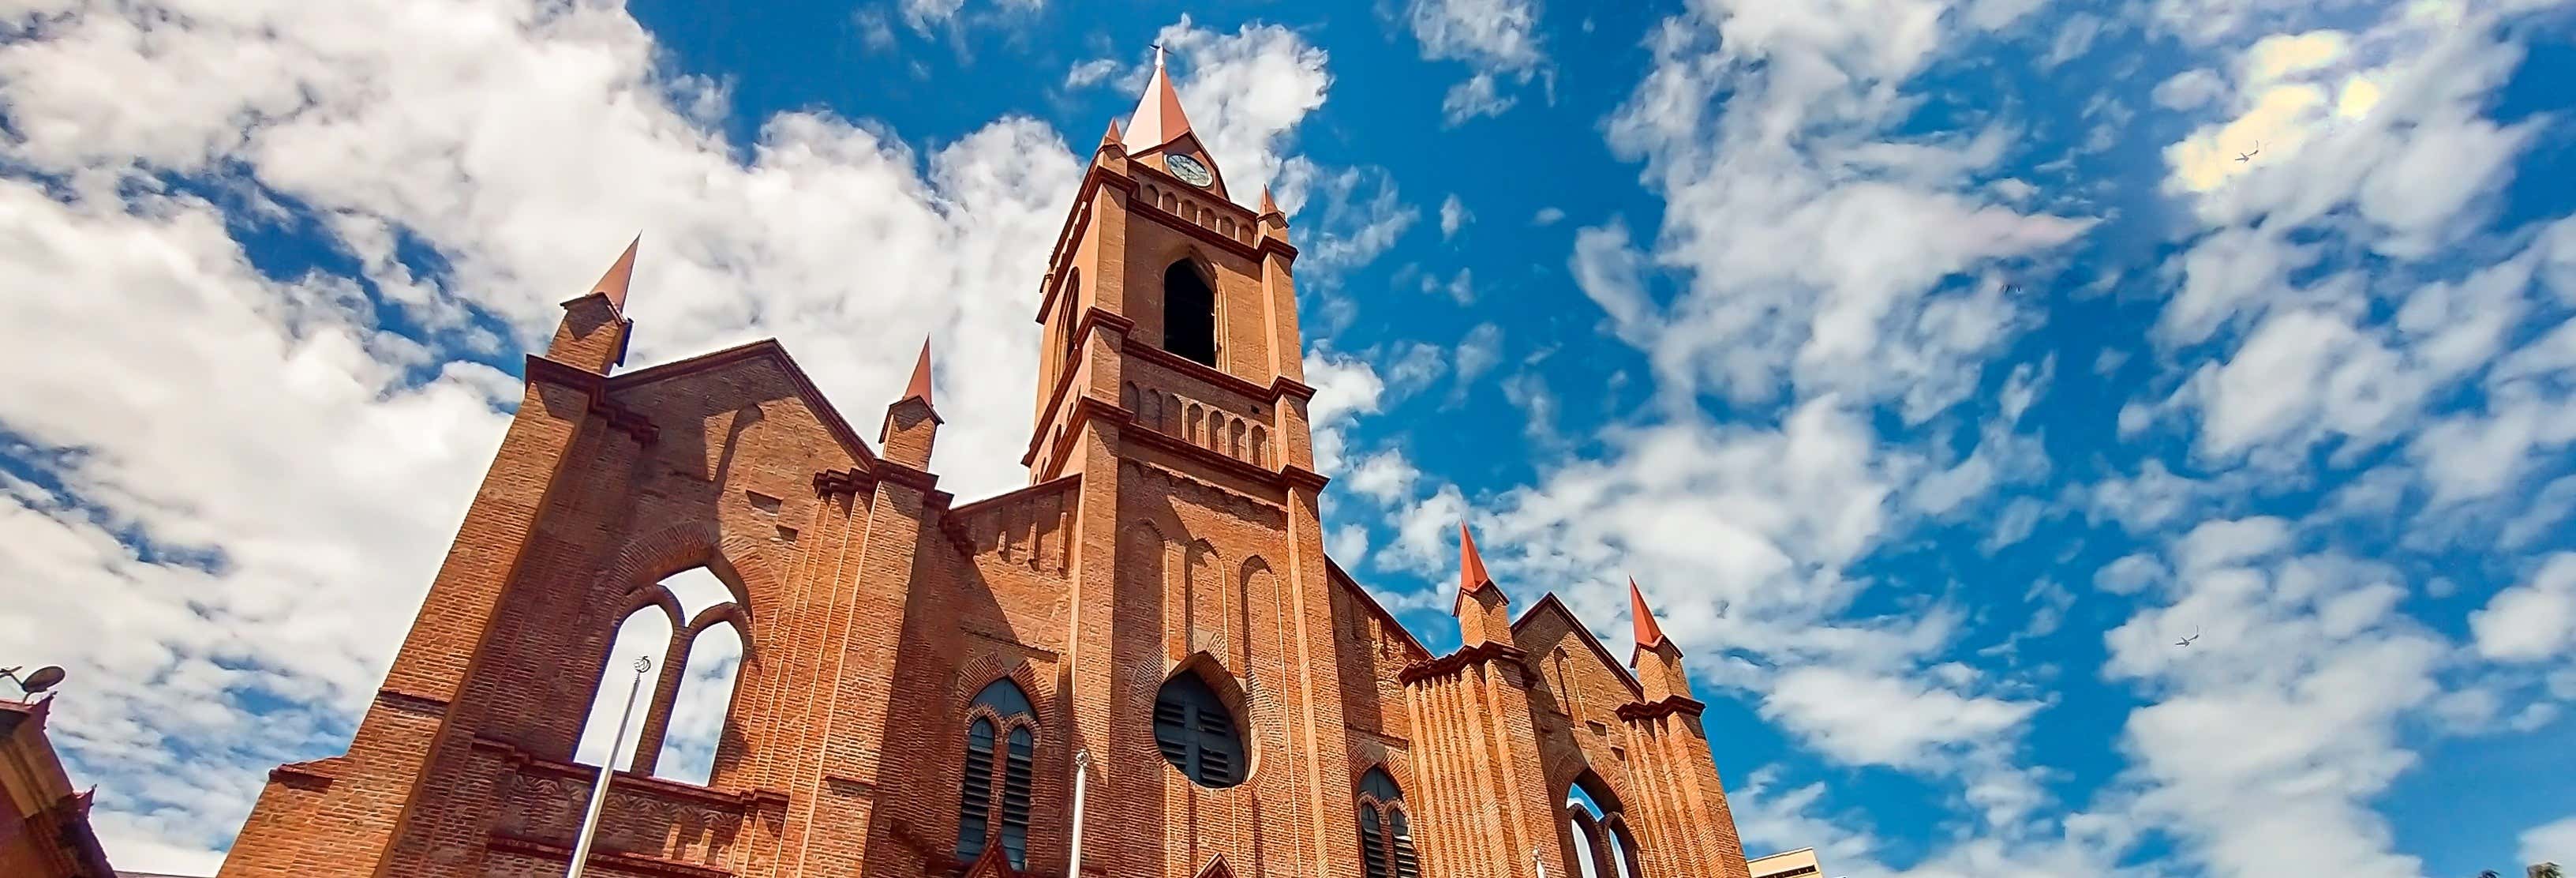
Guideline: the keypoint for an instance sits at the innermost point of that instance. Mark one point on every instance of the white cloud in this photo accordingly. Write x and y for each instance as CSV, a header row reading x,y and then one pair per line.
x,y
1085,74
2532,621
2265,741
1453,216
2550,842
1478,95
1887,720
1495,37
1821,256
1547,216
1362,214
1385,476
1345,388
1460,288
1477,352
926,14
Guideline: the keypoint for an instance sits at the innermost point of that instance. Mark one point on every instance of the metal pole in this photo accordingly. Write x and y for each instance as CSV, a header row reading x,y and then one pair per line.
x,y
1081,774
607,769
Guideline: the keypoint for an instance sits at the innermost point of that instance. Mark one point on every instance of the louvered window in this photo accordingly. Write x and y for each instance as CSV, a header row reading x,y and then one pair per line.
x,y
1386,839
981,802
1018,772
1407,864
975,791
1373,854
1196,733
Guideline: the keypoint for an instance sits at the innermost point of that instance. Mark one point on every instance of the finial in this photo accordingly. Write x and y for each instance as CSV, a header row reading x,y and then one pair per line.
x,y
1471,566
613,284
920,386
1649,634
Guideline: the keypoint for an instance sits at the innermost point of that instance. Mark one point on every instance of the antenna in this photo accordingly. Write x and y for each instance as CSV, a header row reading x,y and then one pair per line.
x,y
44,678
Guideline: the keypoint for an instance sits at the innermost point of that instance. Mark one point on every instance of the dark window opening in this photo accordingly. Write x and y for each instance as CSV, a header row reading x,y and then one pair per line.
x,y
1196,733
1189,314
1016,756
1386,842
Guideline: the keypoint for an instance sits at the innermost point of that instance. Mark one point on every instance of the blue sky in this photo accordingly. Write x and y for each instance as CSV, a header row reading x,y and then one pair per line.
x,y
1933,364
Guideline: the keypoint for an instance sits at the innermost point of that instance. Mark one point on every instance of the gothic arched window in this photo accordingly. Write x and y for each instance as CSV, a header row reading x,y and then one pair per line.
x,y
1603,847
1386,837
1002,735
1189,313
1196,732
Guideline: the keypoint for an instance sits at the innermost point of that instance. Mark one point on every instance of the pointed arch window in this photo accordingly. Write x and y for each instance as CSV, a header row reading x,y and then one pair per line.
x,y
995,789
1386,837
1189,313
1603,847
693,628
1197,734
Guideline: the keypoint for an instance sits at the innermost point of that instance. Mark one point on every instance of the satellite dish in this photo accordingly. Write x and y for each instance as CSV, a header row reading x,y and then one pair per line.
x,y
44,678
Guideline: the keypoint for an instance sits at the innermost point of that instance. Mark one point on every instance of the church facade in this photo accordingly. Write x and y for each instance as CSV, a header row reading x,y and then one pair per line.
x,y
1148,635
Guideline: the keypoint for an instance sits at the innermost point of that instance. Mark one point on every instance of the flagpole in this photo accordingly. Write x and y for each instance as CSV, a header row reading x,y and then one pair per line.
x,y
607,769
1081,773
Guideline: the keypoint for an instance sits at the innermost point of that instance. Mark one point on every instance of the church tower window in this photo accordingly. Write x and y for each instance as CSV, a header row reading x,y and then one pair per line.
x,y
1189,313
1001,706
1197,734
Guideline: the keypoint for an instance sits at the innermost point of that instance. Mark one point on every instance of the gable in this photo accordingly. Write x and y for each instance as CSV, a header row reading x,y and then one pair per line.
x,y
1549,625
1360,598
746,361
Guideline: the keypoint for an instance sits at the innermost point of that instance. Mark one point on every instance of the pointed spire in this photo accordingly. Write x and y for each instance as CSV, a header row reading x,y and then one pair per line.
x,y
1113,138
1268,206
613,284
920,386
1649,634
1471,566
1158,118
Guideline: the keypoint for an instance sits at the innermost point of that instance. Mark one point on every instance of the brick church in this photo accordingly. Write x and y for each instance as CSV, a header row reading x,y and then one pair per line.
x,y
1149,635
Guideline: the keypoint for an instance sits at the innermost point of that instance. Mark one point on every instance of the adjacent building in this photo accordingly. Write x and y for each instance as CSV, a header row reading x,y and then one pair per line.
x,y
929,683
1792,864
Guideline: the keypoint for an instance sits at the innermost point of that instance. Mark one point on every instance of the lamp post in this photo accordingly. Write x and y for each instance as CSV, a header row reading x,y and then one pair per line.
x,y
1081,774
607,769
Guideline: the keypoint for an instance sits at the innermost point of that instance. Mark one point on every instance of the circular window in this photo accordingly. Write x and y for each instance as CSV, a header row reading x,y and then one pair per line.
x,y
1197,733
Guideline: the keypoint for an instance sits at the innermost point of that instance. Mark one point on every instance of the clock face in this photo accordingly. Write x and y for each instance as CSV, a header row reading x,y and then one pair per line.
x,y
1188,169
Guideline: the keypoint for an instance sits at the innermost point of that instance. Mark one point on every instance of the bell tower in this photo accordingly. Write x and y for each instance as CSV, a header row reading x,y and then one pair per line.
x,y
1159,270
1171,386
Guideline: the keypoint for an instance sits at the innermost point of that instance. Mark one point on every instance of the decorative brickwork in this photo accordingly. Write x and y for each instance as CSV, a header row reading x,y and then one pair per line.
x,y
1171,528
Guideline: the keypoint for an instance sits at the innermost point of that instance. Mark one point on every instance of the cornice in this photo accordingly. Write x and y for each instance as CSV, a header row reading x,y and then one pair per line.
x,y
1464,657
1647,710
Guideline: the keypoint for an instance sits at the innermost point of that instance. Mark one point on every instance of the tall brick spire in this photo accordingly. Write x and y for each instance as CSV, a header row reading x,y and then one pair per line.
x,y
920,386
593,333
1158,118
911,425
1657,658
613,284
1649,634
1484,612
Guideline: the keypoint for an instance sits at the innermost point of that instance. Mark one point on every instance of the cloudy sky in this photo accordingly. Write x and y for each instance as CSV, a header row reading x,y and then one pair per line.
x,y
1934,365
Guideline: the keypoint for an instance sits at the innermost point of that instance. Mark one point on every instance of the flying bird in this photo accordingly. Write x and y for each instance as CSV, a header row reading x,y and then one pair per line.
x,y
2249,156
2187,640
